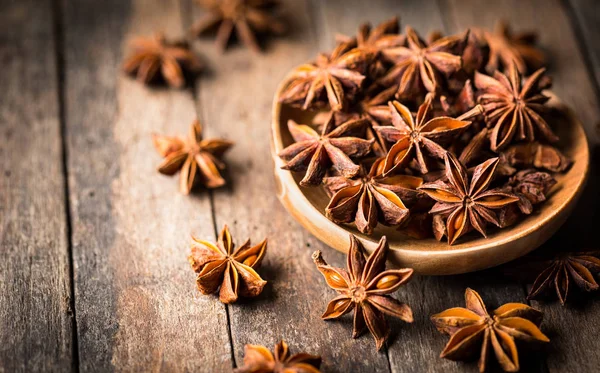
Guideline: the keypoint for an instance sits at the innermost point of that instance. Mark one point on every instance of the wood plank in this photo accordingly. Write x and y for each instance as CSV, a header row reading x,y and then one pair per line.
x,y
571,351
587,19
36,324
236,104
137,304
417,347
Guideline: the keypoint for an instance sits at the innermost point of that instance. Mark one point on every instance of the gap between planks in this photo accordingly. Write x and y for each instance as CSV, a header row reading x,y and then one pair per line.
x,y
58,35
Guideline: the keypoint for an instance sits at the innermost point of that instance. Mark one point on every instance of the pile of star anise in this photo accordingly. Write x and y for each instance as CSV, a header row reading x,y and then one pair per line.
x,y
438,137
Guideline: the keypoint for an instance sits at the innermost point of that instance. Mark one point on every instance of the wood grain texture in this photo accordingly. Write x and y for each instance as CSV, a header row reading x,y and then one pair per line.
x,y
572,330
138,307
236,104
36,329
587,23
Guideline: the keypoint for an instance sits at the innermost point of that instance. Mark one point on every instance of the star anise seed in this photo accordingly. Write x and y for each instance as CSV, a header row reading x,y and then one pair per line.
x,y
196,158
467,203
579,268
155,57
364,289
473,331
247,17
258,359
232,270
316,153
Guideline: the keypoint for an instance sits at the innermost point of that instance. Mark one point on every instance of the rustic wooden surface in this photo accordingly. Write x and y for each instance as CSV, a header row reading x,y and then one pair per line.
x,y
94,274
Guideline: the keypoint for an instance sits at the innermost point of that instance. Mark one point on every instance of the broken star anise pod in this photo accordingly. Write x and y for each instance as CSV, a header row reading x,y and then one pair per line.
x,y
315,153
507,48
364,288
247,17
196,158
420,67
577,267
474,332
371,198
258,359
467,203
330,79
419,138
513,108
534,154
155,57
219,265
532,184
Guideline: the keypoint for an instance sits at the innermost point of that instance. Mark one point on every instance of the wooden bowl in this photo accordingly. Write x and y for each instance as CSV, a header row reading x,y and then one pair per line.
x,y
428,256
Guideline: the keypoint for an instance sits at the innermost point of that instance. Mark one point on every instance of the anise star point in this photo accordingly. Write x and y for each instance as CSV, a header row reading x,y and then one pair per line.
x,y
364,288
221,267
155,57
473,326
196,158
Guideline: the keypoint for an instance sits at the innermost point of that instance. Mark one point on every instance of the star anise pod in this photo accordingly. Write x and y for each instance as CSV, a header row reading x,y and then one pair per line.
x,y
196,158
335,146
507,48
375,40
247,17
467,203
421,67
232,270
418,138
155,57
364,288
577,267
371,199
329,79
514,109
258,359
472,329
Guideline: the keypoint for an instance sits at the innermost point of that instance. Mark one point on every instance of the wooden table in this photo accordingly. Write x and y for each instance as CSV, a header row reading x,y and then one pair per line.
x,y
94,275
